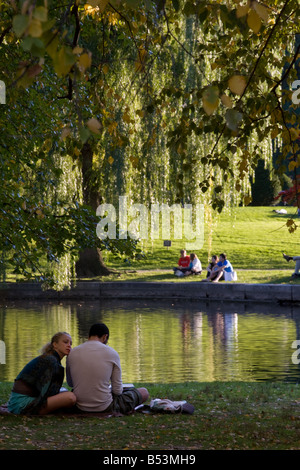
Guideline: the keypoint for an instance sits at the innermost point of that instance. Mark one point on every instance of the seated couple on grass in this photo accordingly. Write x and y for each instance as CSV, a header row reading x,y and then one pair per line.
x,y
219,269
93,373
187,265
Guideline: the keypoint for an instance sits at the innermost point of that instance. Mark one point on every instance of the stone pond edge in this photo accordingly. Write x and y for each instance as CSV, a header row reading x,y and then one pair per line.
x,y
90,290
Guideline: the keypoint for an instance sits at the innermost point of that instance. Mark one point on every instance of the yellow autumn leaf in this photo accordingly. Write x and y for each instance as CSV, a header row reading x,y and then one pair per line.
x,y
93,3
65,132
254,21
226,100
274,133
126,118
140,113
134,161
210,99
261,10
40,214
237,84
294,133
35,28
94,125
112,128
292,165
77,50
53,46
242,10
102,5
84,61
110,160
63,61
89,10
141,61
47,145
105,68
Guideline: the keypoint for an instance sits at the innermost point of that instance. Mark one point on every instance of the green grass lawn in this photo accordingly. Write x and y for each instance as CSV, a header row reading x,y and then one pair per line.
x,y
252,237
237,416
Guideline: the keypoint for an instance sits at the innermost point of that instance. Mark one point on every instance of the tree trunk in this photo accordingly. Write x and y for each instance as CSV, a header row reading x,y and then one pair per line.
x,y
90,262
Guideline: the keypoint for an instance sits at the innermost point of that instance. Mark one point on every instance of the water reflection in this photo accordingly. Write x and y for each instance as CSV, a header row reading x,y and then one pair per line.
x,y
164,341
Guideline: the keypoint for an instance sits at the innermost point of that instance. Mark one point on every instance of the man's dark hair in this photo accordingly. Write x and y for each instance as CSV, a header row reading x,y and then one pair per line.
x,y
98,329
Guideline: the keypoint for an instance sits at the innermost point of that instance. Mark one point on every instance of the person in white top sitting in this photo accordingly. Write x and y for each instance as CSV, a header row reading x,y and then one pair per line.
x,y
195,266
94,372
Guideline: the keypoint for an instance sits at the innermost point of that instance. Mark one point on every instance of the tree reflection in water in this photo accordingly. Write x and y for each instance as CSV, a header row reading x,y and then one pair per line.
x,y
164,341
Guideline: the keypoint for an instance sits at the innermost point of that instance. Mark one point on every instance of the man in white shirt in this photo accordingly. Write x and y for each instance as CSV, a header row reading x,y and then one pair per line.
x,y
94,372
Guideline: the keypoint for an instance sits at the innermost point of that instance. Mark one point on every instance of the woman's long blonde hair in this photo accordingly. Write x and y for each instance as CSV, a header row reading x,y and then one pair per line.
x,y
48,348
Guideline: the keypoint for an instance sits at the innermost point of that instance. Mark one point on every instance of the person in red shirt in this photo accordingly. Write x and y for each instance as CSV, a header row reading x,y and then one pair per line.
x,y
183,262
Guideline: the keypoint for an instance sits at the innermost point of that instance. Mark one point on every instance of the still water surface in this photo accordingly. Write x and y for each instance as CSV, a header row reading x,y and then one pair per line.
x,y
164,341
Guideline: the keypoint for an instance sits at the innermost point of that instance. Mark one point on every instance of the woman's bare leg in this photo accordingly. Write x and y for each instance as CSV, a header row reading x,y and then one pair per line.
x,y
61,400
218,276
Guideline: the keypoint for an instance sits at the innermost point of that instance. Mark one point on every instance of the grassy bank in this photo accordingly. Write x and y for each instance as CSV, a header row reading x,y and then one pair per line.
x,y
238,416
253,238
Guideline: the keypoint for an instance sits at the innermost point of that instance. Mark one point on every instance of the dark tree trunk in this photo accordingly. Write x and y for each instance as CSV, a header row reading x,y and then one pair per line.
x,y
90,262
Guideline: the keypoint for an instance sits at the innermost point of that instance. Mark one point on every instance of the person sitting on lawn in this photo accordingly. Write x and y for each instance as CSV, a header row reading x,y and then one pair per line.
x,y
37,388
183,262
223,266
212,265
195,266
94,372
297,265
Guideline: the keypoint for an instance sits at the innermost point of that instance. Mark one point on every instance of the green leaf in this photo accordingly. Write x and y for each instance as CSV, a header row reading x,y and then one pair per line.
x,y
132,3
20,24
84,134
41,13
33,45
210,99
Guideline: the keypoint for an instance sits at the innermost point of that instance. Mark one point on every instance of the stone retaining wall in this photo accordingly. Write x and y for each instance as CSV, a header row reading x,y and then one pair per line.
x,y
154,290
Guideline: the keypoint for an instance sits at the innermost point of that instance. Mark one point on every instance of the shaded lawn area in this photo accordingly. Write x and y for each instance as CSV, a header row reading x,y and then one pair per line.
x,y
236,416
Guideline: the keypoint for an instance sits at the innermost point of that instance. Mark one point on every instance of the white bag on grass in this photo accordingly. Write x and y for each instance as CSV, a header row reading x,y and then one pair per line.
x,y
230,276
179,273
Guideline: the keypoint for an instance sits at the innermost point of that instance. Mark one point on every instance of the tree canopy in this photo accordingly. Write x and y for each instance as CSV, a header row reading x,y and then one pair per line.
x,y
161,100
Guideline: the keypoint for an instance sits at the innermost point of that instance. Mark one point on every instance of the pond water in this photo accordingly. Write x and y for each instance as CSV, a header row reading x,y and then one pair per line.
x,y
164,342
